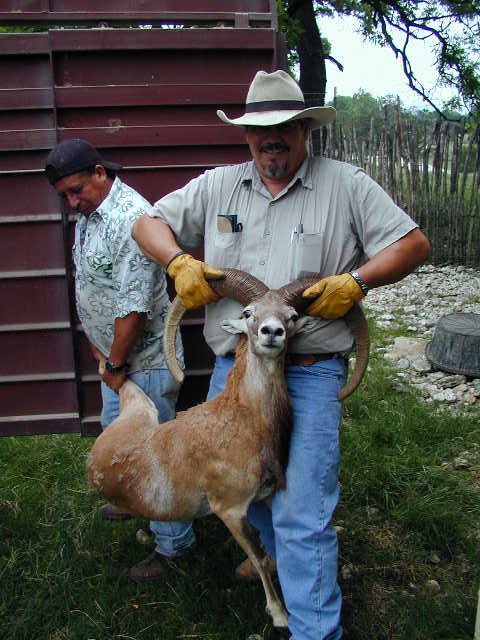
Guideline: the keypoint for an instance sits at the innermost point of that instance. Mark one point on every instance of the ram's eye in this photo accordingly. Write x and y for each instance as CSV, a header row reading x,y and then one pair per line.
x,y
294,318
246,313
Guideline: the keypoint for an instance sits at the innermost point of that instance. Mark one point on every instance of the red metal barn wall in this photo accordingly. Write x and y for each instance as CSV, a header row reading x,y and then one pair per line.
x,y
147,99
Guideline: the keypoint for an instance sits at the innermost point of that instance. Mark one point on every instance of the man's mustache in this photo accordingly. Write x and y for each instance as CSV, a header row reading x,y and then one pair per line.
x,y
270,147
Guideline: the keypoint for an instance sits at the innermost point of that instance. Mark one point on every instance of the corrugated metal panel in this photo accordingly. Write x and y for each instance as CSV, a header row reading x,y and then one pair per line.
x,y
147,99
238,13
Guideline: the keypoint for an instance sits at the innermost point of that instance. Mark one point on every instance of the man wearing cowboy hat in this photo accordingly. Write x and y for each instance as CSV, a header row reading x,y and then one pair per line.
x,y
121,299
281,216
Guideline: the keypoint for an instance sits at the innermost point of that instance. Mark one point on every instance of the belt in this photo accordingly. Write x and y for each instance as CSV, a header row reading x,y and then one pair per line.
x,y
304,359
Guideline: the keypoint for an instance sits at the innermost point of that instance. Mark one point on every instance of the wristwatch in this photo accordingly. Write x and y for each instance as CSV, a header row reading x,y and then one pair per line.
x,y
356,276
113,367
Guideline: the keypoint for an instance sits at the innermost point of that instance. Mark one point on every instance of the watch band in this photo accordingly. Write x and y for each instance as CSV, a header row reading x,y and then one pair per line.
x,y
356,276
113,367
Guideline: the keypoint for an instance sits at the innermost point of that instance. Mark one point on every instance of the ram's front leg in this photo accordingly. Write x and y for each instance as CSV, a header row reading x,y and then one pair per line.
x,y
235,518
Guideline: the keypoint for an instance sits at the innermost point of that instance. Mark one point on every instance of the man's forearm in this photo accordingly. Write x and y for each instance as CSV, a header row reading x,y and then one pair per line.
x,y
155,239
396,261
127,331
96,353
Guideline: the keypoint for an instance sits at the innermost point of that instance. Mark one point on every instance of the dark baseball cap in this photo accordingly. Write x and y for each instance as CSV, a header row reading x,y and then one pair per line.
x,y
71,156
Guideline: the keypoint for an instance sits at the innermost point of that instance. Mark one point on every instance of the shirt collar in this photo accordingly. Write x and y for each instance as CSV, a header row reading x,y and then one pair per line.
x,y
105,207
303,174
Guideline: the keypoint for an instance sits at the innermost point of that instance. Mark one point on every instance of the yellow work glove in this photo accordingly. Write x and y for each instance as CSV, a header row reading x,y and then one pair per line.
x,y
190,277
334,295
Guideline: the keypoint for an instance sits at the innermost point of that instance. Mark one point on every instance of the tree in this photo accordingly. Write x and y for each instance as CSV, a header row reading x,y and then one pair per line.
x,y
358,111
450,27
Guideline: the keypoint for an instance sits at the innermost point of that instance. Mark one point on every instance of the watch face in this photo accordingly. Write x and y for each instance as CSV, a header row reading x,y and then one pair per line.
x,y
113,368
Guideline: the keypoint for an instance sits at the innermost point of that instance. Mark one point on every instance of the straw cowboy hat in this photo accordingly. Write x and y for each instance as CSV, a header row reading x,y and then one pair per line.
x,y
274,98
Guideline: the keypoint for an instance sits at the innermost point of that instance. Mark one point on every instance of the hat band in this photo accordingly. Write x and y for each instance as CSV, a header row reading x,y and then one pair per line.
x,y
274,105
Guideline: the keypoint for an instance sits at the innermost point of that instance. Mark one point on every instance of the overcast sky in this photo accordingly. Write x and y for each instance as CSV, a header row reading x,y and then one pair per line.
x,y
373,68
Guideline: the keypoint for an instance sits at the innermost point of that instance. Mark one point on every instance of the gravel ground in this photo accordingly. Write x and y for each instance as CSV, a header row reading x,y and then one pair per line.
x,y
417,303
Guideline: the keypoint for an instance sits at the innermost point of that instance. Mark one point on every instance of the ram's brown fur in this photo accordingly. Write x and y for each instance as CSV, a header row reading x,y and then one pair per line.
x,y
218,456
225,453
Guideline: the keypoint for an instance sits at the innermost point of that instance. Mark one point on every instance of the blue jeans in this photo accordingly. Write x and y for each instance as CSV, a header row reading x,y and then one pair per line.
x,y
297,532
171,538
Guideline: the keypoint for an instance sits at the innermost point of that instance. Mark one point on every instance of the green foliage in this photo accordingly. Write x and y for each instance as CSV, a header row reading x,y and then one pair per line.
x,y
359,111
450,28
471,159
13,28
292,31
362,112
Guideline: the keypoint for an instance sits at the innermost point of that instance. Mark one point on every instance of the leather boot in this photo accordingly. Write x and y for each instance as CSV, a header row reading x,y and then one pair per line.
x,y
149,568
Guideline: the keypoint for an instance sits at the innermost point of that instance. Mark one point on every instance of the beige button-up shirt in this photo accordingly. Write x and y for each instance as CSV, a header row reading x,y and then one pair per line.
x,y
328,220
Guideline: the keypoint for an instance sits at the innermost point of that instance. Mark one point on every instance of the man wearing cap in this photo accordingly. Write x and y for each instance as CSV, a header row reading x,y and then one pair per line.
x,y
281,216
121,300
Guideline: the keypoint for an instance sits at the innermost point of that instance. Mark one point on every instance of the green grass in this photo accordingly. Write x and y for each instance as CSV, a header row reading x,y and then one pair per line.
x,y
408,515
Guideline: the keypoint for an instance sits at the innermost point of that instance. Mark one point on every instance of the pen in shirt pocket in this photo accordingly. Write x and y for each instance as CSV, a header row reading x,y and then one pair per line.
x,y
296,231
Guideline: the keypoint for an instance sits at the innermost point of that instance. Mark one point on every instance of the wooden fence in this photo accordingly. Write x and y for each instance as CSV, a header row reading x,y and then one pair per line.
x,y
433,174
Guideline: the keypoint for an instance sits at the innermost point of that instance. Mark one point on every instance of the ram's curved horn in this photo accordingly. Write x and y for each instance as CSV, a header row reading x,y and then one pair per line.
x,y
357,323
355,319
237,285
172,320
240,286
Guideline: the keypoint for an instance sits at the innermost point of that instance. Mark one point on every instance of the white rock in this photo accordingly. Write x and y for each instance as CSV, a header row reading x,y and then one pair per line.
x,y
436,375
421,364
446,395
425,388
451,381
433,586
143,537
346,572
461,463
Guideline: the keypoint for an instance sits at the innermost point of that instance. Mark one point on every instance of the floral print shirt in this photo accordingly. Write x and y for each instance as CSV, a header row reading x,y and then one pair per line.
x,y
114,278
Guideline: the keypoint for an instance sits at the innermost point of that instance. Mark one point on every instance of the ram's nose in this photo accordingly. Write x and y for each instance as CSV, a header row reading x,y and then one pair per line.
x,y
272,331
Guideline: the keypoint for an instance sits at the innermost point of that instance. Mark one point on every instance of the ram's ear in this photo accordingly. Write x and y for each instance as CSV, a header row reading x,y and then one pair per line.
x,y
234,325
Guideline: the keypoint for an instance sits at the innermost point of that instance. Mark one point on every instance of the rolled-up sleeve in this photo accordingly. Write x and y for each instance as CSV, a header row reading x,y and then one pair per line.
x,y
377,220
184,211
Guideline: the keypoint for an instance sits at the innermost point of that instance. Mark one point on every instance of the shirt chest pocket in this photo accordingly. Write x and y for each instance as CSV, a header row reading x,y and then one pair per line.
x,y
227,248
308,254
99,265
